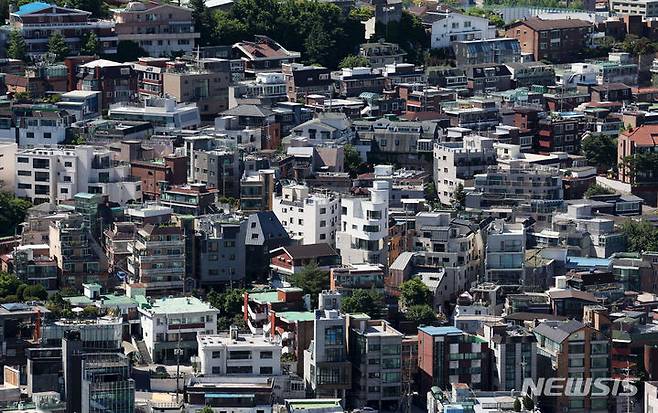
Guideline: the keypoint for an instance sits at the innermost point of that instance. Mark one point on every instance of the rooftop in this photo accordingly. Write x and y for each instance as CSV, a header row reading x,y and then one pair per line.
x,y
441,331
178,305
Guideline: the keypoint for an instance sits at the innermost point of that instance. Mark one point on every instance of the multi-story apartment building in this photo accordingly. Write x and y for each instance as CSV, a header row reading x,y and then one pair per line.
x,y
34,265
596,235
347,278
456,163
221,249
218,169
149,73
266,88
116,240
238,354
173,323
37,21
52,174
527,74
157,259
375,354
160,29
204,82
116,81
512,347
257,190
356,80
310,218
619,68
452,27
475,114
327,369
162,113
171,169
302,81
505,253
488,77
645,8
497,50
79,258
447,355
381,53
364,227
263,55
106,383
556,40
573,349
634,143
41,124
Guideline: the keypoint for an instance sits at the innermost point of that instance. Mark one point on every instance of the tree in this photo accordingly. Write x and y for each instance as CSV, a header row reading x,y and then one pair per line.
x,y
491,15
57,46
12,213
206,409
600,150
596,189
352,160
429,191
12,289
129,51
227,29
354,61
312,281
420,315
364,301
17,48
640,235
90,45
641,167
229,304
409,33
414,292
459,195
528,404
202,21
517,405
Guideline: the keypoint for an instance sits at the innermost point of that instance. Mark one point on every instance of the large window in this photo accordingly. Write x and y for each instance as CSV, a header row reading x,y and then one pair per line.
x,y
333,336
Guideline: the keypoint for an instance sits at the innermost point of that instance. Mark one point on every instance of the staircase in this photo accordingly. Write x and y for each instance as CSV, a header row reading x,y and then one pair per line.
x,y
143,352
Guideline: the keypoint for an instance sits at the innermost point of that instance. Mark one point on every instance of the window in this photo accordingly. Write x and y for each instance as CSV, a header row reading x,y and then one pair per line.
x,y
266,370
333,336
239,370
24,173
216,370
216,354
265,354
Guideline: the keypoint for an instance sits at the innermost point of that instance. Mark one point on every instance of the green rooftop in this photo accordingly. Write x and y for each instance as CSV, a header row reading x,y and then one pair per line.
x,y
79,301
265,297
293,316
178,305
111,299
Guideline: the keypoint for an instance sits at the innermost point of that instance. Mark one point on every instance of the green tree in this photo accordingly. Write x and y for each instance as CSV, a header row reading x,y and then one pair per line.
x,y
229,304
414,292
312,281
420,315
642,167
364,301
57,46
206,409
362,13
12,213
491,15
354,61
640,235
202,21
528,404
227,29
459,196
90,45
600,150
17,48
517,405
596,189
409,33
429,190
352,160
129,51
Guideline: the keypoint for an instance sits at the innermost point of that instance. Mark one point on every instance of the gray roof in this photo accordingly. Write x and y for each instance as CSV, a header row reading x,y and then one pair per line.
x,y
248,110
558,331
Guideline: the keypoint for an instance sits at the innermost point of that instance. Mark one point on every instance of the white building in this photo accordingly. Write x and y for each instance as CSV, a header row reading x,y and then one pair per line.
x,y
364,227
457,163
233,354
514,355
597,233
452,27
53,174
310,218
645,8
43,126
171,323
505,253
8,166
163,113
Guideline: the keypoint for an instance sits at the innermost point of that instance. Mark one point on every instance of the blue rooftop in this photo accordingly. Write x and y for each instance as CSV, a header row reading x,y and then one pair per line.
x,y
32,8
586,262
440,331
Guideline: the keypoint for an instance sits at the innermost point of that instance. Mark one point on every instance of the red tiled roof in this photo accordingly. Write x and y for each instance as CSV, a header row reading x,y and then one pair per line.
x,y
538,24
645,135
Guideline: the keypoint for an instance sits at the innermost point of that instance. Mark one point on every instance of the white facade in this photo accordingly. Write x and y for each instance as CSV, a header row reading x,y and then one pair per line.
x,y
163,113
8,166
457,163
232,354
646,8
53,174
364,227
310,218
505,253
43,128
456,27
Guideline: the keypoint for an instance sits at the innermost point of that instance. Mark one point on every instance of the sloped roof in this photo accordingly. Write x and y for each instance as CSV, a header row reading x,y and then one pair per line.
x,y
30,8
645,135
309,250
558,331
538,24
249,110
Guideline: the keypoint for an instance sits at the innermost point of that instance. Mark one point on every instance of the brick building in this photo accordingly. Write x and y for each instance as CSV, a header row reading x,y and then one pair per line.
x,y
560,40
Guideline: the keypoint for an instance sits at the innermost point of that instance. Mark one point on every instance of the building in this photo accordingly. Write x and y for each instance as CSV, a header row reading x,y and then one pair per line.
x,y
456,163
36,20
266,88
149,72
633,147
310,218
157,260
221,246
511,347
302,81
81,104
447,356
556,40
353,81
203,82
571,348
171,323
34,265
560,132
375,354
452,27
264,233
159,29
257,190
327,369
106,384
645,8
475,114
263,55
381,53
238,354
189,199
487,78
115,81
163,113
528,74
52,174
238,394
41,124
347,278
171,169
498,50
291,259
505,253
364,227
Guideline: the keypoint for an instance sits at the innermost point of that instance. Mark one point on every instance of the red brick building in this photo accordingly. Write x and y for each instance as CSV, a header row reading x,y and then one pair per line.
x,y
559,41
171,169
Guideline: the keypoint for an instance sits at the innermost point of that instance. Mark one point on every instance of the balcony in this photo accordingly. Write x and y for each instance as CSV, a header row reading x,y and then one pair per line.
x,y
186,326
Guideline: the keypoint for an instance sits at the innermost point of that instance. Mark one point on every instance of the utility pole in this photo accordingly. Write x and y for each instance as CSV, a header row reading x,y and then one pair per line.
x,y
178,352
